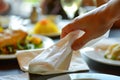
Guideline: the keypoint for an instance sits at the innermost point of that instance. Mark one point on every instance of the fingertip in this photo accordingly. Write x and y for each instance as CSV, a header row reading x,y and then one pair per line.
x,y
79,43
75,46
62,35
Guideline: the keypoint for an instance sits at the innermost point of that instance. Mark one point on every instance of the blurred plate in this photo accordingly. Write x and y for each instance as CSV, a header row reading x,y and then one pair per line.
x,y
98,55
51,35
86,76
47,42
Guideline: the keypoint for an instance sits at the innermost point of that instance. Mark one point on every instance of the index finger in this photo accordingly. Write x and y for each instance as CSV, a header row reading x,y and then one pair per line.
x,y
67,29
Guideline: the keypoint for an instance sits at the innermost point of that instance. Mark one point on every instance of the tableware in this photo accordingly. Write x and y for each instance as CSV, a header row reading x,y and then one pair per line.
x,y
74,76
70,7
52,35
86,76
30,28
25,24
60,24
98,55
47,42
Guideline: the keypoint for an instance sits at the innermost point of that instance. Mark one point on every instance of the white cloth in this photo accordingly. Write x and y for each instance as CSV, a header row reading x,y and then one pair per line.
x,y
56,59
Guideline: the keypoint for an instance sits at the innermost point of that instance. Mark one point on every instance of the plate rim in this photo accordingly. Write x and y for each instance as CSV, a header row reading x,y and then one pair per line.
x,y
95,75
45,34
85,76
104,60
13,56
50,35
109,41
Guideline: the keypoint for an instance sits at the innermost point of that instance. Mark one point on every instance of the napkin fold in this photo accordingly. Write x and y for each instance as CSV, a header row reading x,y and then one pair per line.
x,y
59,58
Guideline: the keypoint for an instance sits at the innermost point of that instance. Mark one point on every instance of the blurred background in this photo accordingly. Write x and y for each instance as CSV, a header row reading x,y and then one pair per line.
x,y
23,8
32,11
42,22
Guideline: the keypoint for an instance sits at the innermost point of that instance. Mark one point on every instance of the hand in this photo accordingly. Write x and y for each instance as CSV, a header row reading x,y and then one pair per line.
x,y
93,23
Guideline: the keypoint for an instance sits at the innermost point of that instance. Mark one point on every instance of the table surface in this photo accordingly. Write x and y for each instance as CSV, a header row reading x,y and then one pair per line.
x,y
11,67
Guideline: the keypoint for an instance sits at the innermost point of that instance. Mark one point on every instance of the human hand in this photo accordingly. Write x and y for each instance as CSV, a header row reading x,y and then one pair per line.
x,y
93,23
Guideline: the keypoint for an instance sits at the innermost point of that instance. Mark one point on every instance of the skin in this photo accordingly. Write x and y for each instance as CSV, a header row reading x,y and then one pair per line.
x,y
95,23
4,7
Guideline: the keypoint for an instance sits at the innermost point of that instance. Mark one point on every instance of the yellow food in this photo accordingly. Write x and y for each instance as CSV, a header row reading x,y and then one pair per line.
x,y
45,26
1,29
34,40
113,52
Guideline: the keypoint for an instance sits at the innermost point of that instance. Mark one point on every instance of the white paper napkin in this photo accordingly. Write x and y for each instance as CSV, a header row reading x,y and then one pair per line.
x,y
76,64
58,58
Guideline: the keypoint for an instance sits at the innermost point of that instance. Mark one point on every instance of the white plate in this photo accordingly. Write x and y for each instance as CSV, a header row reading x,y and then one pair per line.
x,y
47,42
51,35
86,76
98,55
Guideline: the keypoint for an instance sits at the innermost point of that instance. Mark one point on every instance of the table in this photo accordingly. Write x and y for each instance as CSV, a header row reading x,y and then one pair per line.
x,y
8,67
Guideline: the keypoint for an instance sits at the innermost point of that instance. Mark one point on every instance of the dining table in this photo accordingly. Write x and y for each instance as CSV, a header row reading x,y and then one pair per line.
x,y
11,66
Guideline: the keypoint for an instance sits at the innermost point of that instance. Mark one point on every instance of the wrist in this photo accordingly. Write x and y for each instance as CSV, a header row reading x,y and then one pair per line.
x,y
111,10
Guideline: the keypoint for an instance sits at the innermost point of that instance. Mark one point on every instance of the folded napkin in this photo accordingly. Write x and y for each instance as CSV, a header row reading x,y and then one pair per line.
x,y
59,58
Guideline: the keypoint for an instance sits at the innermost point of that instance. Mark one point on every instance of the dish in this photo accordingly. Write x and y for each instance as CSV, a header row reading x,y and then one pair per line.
x,y
86,76
52,35
30,28
98,55
60,25
47,42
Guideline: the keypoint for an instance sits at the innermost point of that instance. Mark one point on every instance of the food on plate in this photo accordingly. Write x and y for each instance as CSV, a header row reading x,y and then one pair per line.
x,y
12,40
45,27
113,52
102,47
1,29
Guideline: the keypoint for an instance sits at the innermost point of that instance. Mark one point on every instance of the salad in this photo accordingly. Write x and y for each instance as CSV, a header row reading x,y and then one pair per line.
x,y
113,52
